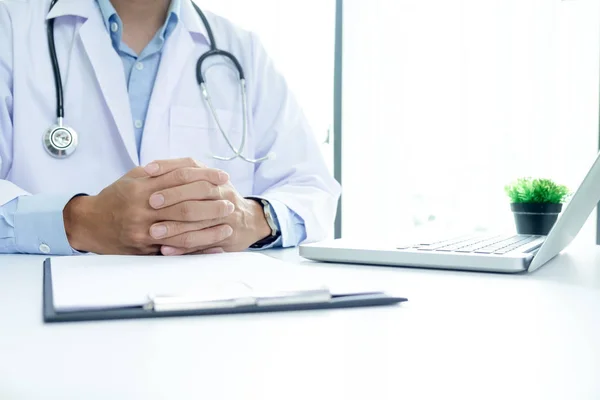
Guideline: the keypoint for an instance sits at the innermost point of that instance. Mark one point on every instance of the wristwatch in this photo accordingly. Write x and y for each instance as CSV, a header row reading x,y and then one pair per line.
x,y
269,216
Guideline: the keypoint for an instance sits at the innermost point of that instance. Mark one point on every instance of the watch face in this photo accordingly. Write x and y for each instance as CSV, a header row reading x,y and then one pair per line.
x,y
268,210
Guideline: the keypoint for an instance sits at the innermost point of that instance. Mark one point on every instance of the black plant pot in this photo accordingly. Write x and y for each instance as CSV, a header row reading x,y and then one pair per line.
x,y
535,218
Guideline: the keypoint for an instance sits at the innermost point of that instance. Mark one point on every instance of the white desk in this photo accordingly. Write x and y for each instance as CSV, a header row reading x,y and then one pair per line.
x,y
461,336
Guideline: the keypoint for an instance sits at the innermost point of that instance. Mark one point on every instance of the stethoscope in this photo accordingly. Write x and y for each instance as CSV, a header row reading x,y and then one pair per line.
x,y
61,141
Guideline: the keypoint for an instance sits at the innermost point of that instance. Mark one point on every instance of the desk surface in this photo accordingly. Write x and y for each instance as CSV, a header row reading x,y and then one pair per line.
x,y
461,335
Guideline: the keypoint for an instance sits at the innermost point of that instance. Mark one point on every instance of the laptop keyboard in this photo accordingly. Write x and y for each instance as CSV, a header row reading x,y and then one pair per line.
x,y
482,244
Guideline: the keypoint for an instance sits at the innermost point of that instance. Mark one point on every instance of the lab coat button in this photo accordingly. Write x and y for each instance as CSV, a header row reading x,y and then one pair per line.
x,y
114,27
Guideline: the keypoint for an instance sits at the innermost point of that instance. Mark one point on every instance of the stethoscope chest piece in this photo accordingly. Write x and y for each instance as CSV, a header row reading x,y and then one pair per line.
x,y
60,141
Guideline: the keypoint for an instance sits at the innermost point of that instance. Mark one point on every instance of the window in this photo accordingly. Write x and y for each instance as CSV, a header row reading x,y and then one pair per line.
x,y
300,38
445,102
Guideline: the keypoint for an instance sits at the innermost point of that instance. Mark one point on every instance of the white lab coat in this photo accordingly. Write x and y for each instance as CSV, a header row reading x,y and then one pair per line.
x,y
178,124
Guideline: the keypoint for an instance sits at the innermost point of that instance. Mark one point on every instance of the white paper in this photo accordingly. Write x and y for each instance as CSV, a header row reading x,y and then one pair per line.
x,y
94,282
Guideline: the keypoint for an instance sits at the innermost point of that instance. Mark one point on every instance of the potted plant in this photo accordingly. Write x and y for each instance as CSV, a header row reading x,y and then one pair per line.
x,y
536,204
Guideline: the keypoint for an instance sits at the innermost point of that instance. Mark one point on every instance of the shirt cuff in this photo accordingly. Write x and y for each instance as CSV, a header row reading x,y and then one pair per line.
x,y
288,223
39,225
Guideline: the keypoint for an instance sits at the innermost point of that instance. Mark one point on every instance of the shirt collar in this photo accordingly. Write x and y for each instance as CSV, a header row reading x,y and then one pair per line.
x,y
108,11
183,9
173,16
109,14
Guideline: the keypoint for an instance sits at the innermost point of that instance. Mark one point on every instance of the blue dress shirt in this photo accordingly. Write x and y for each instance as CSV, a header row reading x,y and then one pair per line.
x,y
140,70
34,224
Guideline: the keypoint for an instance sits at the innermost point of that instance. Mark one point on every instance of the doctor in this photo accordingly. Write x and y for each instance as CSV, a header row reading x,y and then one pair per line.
x,y
160,129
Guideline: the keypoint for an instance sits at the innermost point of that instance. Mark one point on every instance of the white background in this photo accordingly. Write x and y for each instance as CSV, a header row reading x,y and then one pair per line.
x,y
445,102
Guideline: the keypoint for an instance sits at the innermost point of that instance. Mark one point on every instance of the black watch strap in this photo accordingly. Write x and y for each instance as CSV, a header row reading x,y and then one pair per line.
x,y
275,234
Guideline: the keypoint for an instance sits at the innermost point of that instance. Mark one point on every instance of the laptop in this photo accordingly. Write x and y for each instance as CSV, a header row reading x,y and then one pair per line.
x,y
489,253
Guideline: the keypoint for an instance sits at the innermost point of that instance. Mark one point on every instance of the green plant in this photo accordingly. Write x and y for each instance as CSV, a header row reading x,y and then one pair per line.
x,y
528,190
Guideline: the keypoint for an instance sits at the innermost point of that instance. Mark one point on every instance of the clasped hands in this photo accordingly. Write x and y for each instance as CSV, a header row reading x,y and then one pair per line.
x,y
171,207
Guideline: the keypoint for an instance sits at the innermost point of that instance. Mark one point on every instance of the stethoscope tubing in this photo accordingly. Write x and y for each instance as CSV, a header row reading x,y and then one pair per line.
x,y
60,107
213,52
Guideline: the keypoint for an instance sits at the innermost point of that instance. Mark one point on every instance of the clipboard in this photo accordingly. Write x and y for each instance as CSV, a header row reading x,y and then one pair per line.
x,y
172,306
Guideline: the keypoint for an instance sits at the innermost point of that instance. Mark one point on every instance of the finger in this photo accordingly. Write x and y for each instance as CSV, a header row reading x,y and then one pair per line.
x,y
184,252
161,167
201,190
202,249
190,241
170,229
185,176
172,251
196,211
214,250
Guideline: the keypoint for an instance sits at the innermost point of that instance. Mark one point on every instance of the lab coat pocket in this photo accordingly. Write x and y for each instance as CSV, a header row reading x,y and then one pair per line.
x,y
195,133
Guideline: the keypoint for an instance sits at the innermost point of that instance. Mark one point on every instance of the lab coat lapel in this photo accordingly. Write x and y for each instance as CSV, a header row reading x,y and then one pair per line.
x,y
173,68
111,79
80,8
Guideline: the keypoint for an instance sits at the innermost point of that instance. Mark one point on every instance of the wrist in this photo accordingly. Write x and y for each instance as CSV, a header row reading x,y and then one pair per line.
x,y
75,216
261,226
